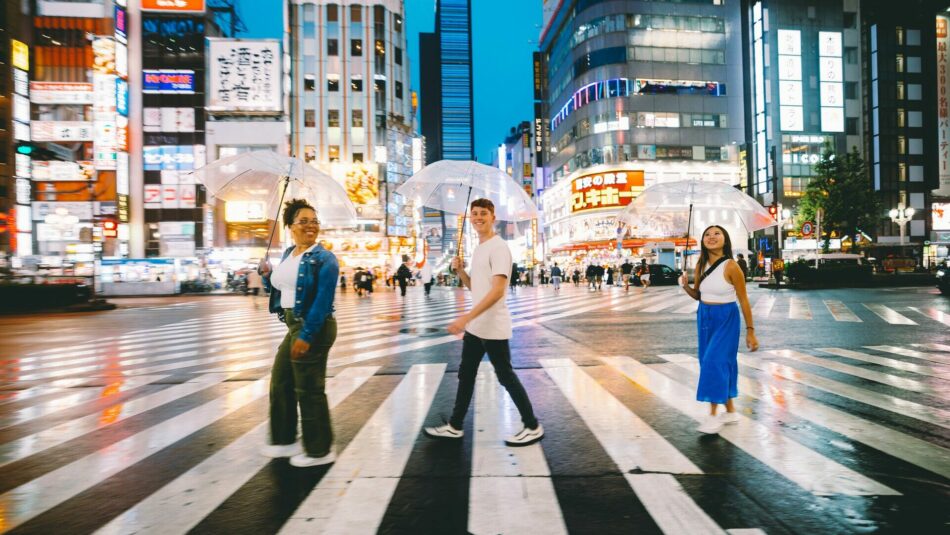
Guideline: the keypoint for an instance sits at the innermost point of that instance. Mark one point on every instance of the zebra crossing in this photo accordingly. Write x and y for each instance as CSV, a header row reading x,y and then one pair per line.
x,y
157,430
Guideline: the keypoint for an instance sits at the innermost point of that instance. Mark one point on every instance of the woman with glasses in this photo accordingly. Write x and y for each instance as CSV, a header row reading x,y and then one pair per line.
x,y
303,287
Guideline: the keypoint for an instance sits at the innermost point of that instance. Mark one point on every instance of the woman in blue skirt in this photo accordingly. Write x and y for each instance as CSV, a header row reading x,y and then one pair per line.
x,y
718,285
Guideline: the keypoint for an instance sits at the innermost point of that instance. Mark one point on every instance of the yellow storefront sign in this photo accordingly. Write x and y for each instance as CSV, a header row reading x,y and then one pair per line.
x,y
20,55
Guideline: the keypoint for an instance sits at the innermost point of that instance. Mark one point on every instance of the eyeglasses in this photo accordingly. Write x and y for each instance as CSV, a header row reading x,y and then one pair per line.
x,y
308,222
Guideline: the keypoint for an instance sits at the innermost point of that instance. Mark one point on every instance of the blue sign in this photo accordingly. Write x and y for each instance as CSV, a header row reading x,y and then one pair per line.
x,y
122,97
168,81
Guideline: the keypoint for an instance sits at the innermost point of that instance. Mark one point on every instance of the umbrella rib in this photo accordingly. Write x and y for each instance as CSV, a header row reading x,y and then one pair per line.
x,y
228,183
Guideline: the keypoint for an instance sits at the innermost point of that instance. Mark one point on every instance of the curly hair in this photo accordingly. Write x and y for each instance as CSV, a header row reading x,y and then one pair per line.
x,y
291,208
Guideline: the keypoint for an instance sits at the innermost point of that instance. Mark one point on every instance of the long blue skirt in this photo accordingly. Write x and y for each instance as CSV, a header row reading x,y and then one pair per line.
x,y
718,351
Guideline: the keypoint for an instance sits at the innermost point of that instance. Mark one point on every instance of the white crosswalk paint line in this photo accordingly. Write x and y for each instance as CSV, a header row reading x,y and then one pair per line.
x,y
889,315
745,531
932,357
808,469
798,309
669,505
643,299
935,347
894,443
66,431
510,489
218,476
691,307
672,300
840,312
933,314
904,383
54,387
352,497
882,401
45,492
631,443
763,307
45,409
921,369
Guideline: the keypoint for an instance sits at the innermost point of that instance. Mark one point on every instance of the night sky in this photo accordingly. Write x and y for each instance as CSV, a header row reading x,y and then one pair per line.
x,y
505,32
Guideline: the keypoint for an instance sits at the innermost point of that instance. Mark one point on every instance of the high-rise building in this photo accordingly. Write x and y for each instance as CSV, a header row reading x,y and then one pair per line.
x,y
16,231
633,94
351,115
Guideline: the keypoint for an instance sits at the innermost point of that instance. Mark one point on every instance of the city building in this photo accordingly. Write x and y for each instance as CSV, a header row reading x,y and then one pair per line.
x,y
633,94
516,157
352,116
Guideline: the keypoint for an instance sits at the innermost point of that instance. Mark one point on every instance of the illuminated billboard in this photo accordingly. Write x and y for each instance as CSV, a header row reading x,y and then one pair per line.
x,y
168,81
831,78
244,76
791,110
598,191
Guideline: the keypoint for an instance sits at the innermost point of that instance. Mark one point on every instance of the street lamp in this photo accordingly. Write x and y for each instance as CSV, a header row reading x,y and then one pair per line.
x,y
901,216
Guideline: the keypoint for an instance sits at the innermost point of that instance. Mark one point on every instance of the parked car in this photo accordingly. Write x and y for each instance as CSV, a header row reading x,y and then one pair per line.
x,y
662,275
943,279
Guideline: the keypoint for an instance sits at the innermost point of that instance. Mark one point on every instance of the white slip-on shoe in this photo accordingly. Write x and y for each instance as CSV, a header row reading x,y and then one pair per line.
x,y
303,460
710,425
729,418
275,451
444,431
526,436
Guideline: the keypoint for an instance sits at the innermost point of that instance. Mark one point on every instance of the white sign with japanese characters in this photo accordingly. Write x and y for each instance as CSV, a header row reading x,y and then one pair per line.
x,y
244,76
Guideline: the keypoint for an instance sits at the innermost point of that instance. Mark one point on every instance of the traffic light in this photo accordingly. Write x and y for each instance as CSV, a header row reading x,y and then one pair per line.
x,y
773,211
110,228
24,148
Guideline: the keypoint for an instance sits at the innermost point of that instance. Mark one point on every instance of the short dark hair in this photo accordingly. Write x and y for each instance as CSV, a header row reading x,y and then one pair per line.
x,y
291,208
484,203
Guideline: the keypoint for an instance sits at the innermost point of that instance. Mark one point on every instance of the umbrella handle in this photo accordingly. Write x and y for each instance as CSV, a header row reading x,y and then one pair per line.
x,y
458,249
276,218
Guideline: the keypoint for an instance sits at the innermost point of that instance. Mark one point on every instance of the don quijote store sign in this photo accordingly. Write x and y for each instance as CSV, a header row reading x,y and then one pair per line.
x,y
598,191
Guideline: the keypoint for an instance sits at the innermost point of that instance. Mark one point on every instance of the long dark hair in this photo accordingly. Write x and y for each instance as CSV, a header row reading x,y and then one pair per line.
x,y
704,255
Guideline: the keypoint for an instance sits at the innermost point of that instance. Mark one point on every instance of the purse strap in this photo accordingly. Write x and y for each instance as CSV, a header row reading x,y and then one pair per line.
x,y
712,268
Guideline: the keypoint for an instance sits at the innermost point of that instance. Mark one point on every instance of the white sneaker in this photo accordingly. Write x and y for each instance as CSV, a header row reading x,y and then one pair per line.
x,y
444,431
275,451
710,425
303,460
526,436
729,418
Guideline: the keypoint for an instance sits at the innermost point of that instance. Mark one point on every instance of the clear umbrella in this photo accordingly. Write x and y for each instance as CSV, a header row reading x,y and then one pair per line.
x,y
266,179
669,209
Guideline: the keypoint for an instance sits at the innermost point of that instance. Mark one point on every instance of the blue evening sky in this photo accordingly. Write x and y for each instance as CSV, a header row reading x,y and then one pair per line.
x,y
505,32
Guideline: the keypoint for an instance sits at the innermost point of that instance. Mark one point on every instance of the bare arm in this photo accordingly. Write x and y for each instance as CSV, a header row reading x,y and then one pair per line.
x,y
735,277
463,276
694,290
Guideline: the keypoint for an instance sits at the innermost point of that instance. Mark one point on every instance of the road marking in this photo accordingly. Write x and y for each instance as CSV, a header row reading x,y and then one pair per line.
x,y
921,369
903,383
763,307
689,308
840,311
889,315
670,506
933,314
352,497
932,357
808,469
935,347
218,476
798,309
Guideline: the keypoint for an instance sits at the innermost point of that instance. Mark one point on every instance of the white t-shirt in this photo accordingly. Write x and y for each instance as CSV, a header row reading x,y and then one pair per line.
x,y
489,259
284,278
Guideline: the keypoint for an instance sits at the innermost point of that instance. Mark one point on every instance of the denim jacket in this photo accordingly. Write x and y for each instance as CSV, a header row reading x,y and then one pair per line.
x,y
316,288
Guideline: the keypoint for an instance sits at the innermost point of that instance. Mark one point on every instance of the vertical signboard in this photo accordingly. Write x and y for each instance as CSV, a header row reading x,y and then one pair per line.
x,y
943,109
831,80
791,106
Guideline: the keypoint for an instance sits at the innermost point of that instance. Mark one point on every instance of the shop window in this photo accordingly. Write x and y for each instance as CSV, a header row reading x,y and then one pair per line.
x,y
309,118
356,47
333,47
309,153
333,118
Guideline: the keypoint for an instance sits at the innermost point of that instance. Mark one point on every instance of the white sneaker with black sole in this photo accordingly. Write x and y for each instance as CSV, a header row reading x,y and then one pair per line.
x,y
275,451
303,460
711,425
526,436
444,431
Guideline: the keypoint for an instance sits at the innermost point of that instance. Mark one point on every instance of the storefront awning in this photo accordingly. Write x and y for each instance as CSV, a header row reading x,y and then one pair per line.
x,y
633,243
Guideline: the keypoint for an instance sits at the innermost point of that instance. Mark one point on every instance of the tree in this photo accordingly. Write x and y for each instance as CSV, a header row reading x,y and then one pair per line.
x,y
842,191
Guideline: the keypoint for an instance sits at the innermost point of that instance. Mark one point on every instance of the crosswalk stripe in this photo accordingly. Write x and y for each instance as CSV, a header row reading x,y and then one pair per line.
x,y
903,383
798,309
933,314
41,494
54,387
932,357
673,301
218,476
808,469
642,298
889,315
935,347
894,443
763,307
890,403
920,369
840,311
353,495
669,505
631,443
690,307
510,489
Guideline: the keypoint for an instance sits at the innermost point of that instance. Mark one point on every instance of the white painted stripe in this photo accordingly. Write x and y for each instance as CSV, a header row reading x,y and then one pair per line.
x,y
352,497
643,298
798,309
54,387
889,315
763,307
745,531
669,505
49,490
894,443
672,301
630,442
840,311
510,489
882,401
903,383
921,369
935,347
933,314
806,468
691,307
218,476
932,357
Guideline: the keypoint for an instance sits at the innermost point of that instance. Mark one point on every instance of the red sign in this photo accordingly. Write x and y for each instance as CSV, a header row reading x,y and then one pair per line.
x,y
808,228
598,191
178,6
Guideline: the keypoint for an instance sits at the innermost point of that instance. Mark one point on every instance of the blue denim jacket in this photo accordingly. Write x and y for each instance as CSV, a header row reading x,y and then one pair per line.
x,y
316,288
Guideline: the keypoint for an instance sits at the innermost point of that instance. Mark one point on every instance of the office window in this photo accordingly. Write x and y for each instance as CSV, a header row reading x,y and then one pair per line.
x,y
899,62
901,118
900,91
851,126
914,91
915,119
357,157
333,47
333,82
356,84
902,172
901,145
357,118
913,64
900,35
398,89
309,82
851,55
309,153
334,153
913,37
915,145
333,118
397,55
850,90
356,14
309,118
397,23
356,47
850,19
333,14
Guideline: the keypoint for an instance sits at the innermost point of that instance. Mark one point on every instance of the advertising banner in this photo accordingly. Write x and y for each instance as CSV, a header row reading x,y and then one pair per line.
x,y
62,171
176,6
61,131
605,190
168,81
943,108
60,93
244,76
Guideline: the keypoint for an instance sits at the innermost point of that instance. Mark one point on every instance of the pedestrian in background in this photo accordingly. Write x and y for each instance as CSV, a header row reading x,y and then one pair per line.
x,y
304,286
556,278
426,276
486,328
403,274
577,276
718,284
610,275
254,282
743,265
625,270
342,282
644,274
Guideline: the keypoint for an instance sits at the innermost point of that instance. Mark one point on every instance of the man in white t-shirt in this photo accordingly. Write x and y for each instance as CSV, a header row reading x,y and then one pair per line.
x,y
487,329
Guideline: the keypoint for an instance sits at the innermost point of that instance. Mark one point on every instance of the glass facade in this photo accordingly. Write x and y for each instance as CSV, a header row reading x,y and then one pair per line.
x,y
454,27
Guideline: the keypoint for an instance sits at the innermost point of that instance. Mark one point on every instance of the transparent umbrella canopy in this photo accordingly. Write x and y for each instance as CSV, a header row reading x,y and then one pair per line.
x,y
671,208
268,179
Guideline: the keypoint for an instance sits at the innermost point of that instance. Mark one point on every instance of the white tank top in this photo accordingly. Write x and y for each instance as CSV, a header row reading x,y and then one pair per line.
x,y
715,288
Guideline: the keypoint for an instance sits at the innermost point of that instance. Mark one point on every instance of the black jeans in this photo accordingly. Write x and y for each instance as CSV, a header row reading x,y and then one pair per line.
x,y
473,349
402,287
